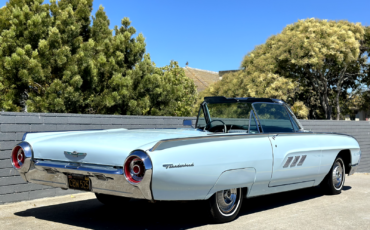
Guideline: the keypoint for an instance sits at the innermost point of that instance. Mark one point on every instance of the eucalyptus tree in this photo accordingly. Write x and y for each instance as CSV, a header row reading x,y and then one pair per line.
x,y
323,56
315,62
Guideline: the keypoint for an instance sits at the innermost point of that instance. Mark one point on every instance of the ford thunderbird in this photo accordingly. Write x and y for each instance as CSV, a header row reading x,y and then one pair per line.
x,y
239,148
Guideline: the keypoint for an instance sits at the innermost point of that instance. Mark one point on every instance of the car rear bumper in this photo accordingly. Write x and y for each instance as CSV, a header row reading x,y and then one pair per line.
x,y
104,179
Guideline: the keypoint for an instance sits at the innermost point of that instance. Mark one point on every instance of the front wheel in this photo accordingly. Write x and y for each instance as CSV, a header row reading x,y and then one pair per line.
x,y
111,200
225,205
334,181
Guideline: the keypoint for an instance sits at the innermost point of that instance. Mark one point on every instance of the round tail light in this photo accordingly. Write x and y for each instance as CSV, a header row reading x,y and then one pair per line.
x,y
134,169
18,157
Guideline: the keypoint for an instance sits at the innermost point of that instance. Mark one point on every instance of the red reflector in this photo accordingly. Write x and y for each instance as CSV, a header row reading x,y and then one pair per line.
x,y
18,157
134,169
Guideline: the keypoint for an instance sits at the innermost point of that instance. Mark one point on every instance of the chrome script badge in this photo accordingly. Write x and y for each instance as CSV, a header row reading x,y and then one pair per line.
x,y
170,166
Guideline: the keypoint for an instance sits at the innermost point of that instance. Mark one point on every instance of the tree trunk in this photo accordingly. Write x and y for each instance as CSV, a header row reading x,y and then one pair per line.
x,y
320,84
324,106
329,112
339,89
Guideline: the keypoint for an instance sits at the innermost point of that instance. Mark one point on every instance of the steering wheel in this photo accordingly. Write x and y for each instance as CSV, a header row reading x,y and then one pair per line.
x,y
225,128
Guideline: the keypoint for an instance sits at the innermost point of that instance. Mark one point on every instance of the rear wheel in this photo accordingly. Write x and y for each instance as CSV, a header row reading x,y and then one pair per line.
x,y
111,200
334,181
225,205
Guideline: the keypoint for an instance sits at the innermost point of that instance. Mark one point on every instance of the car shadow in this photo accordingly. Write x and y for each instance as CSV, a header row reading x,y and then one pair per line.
x,y
345,188
140,214
262,203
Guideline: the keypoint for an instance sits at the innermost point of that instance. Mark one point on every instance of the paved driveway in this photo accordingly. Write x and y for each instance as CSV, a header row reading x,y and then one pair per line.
x,y
301,209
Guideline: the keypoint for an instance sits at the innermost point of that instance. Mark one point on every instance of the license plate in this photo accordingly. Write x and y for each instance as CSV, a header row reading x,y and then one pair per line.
x,y
79,182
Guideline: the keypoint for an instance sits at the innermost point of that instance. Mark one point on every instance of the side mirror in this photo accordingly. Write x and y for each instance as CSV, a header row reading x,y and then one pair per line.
x,y
187,123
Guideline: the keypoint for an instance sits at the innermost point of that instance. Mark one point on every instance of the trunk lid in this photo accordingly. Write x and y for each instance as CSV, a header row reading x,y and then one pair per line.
x,y
103,147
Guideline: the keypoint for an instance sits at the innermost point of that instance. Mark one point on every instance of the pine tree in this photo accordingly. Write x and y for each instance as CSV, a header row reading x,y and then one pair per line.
x,y
23,24
53,60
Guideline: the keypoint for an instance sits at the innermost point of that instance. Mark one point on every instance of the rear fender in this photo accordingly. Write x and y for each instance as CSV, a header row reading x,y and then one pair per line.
x,y
234,178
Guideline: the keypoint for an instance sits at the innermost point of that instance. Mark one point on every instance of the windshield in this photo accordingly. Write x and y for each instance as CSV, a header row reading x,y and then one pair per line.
x,y
245,117
273,118
235,116
231,113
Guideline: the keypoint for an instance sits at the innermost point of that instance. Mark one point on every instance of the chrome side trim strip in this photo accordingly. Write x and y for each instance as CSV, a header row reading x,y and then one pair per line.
x,y
292,183
170,143
181,141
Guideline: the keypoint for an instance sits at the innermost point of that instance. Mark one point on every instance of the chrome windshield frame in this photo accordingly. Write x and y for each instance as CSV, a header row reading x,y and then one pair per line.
x,y
249,125
254,118
258,118
201,107
293,120
281,103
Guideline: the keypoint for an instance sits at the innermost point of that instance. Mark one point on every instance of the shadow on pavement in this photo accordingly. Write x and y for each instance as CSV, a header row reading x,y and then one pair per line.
x,y
345,188
262,203
140,214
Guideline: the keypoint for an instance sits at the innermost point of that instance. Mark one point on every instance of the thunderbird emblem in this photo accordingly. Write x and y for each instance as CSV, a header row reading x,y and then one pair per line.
x,y
75,154
170,166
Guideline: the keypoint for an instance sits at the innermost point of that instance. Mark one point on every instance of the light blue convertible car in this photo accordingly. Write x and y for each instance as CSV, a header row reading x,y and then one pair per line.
x,y
239,148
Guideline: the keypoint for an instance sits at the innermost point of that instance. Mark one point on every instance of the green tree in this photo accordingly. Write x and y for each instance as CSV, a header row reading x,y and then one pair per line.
x,y
359,99
23,23
252,83
313,61
323,56
53,60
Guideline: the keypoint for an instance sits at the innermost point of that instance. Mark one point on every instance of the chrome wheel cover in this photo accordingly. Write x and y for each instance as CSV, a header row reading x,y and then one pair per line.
x,y
228,201
338,174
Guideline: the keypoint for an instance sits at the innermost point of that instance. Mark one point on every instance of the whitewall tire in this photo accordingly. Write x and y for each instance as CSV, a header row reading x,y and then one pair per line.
x,y
333,182
225,205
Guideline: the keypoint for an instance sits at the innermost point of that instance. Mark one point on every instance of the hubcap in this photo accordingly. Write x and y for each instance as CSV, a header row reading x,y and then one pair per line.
x,y
337,175
227,200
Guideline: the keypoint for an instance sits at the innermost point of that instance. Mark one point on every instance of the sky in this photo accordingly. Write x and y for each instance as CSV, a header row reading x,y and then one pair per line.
x,y
216,35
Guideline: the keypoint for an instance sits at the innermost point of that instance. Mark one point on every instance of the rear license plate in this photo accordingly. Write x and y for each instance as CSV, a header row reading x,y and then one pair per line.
x,y
79,182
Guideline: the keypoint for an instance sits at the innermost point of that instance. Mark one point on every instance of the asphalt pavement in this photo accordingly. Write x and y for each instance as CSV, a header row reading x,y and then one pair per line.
x,y
300,209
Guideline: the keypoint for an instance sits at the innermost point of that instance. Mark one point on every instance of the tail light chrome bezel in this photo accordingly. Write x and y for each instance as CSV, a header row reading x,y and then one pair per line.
x,y
146,163
25,164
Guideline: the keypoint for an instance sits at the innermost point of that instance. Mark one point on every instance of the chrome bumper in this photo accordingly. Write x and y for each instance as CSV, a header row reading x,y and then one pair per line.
x,y
354,166
104,179
353,169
